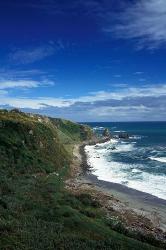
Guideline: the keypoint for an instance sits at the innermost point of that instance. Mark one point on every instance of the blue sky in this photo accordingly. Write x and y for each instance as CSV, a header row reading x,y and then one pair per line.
x,y
93,60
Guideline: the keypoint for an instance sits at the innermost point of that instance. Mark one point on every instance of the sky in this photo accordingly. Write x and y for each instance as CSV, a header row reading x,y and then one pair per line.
x,y
84,60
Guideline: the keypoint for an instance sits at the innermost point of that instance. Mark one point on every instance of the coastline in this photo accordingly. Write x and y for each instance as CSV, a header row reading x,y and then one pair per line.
x,y
138,210
142,203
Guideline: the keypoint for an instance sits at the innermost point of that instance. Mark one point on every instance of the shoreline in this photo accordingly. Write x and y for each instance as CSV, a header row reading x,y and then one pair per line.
x,y
140,211
119,187
149,198
84,162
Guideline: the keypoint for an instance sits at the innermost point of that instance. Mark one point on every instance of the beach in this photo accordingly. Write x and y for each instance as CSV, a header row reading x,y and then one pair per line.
x,y
139,211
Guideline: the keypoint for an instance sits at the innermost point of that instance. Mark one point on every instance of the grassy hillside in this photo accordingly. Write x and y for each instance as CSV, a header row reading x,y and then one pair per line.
x,y
36,213
31,143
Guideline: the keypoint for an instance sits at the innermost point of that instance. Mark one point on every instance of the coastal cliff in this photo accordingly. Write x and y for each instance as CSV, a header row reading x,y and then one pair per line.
x,y
37,212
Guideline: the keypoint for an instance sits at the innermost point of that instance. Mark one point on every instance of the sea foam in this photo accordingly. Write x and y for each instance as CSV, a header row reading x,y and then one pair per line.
x,y
130,175
160,159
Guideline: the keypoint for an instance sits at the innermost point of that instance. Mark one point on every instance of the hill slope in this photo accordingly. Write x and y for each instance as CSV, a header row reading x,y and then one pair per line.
x,y
36,212
32,143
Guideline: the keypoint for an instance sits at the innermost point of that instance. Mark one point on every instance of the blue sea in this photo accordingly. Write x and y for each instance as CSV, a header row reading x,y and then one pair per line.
x,y
138,162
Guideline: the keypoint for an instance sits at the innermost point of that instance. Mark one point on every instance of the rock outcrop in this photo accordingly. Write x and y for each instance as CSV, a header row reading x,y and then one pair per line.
x,y
123,136
106,133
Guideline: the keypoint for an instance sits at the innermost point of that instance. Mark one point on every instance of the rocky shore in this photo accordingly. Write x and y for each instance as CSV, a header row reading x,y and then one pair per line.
x,y
135,211
85,168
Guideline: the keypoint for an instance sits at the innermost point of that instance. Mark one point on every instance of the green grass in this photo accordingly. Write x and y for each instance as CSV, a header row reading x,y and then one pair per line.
x,y
39,214
36,213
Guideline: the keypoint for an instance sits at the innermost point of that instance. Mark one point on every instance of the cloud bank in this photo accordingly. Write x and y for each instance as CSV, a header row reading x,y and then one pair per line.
x,y
134,104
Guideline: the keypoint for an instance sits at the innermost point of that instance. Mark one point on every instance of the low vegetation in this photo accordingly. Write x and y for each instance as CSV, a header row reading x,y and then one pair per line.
x,y
35,210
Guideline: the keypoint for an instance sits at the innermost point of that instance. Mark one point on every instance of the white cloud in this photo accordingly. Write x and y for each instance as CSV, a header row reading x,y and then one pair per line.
x,y
120,110
131,92
144,21
20,74
18,84
121,94
31,55
9,84
128,113
34,103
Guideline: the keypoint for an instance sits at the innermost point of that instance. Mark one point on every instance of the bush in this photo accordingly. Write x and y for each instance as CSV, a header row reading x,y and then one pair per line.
x,y
87,200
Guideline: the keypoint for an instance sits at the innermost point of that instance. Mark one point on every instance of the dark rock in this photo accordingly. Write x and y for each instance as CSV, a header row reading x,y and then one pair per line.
x,y
15,110
106,133
123,136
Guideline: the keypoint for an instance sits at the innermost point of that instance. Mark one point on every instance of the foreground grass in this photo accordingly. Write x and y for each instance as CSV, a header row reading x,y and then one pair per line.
x,y
36,213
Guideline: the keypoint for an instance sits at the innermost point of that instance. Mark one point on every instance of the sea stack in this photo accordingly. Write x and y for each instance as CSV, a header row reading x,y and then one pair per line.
x,y
106,133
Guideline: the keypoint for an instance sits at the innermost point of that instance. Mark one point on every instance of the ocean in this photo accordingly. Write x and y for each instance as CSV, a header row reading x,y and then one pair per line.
x,y
138,162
